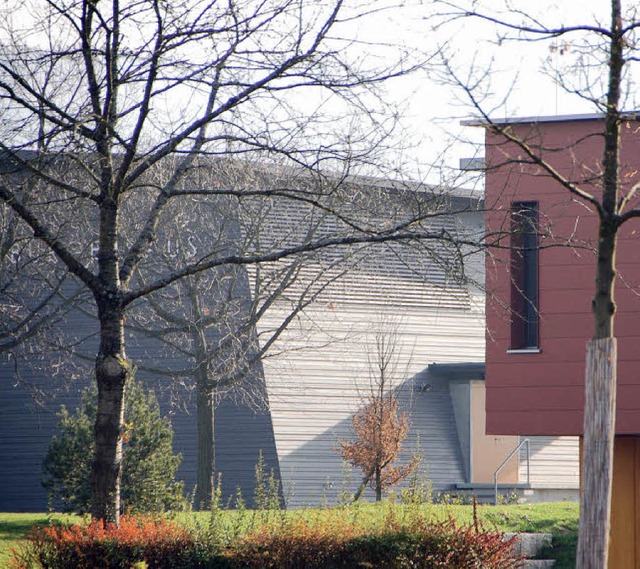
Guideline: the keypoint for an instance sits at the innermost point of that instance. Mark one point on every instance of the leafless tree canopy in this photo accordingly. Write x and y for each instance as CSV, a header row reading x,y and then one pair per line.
x,y
126,126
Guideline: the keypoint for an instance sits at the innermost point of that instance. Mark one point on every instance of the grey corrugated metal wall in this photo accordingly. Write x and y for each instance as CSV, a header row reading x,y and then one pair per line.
x,y
26,428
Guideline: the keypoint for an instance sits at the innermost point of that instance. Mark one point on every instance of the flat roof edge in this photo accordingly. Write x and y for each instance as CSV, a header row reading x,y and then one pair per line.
x,y
631,115
460,370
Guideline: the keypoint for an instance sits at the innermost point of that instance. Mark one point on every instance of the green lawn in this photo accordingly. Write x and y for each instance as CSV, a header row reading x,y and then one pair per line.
x,y
13,528
559,518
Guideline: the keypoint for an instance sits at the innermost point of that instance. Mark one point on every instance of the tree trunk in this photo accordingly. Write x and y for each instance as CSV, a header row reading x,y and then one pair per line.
x,y
205,481
378,483
600,395
599,411
600,380
112,368
597,454
362,487
112,374
206,449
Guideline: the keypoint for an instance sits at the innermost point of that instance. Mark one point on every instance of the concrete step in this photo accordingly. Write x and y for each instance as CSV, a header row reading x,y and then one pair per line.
x,y
529,544
485,493
538,564
532,545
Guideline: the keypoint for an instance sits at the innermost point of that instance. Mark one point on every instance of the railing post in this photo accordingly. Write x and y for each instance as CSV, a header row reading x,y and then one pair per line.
x,y
528,463
504,462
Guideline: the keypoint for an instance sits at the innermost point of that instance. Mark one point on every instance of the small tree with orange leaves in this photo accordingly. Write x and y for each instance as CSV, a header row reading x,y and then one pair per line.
x,y
379,426
380,429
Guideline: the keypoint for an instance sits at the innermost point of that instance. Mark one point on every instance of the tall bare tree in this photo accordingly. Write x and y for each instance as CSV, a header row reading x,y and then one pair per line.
x,y
107,109
209,321
601,73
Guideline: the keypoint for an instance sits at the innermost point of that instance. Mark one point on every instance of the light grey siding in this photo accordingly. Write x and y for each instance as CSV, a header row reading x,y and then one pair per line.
x,y
27,428
555,462
315,375
323,371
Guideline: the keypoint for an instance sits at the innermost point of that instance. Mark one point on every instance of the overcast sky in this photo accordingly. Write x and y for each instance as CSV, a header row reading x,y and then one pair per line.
x,y
516,78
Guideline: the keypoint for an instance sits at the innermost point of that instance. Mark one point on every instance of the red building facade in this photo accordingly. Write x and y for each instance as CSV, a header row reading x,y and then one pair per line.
x,y
540,284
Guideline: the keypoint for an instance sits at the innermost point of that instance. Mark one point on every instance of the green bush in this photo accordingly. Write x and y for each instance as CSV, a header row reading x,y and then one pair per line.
x,y
149,465
266,495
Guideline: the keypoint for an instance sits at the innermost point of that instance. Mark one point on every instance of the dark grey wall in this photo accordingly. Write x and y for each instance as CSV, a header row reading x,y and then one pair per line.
x,y
27,425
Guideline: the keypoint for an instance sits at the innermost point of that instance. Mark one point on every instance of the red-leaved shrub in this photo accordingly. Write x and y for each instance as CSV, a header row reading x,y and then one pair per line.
x,y
155,541
416,544
333,541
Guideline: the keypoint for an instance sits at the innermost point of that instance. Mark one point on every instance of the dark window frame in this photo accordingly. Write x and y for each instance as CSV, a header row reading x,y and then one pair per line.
x,y
525,317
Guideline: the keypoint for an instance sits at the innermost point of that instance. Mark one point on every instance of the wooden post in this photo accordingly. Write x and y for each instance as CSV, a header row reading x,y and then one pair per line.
x,y
597,453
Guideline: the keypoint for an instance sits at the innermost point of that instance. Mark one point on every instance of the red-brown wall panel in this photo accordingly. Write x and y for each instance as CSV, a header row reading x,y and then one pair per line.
x,y
539,374
542,393
538,423
532,397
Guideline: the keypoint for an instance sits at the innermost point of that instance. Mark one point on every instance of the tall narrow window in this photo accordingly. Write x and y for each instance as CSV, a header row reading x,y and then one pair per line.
x,y
524,275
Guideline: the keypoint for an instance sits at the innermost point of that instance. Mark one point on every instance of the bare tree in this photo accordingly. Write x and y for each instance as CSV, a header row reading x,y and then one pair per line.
x,y
36,297
379,425
209,321
107,109
600,73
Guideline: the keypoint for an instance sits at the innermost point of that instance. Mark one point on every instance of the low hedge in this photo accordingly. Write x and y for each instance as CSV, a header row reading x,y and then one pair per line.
x,y
150,543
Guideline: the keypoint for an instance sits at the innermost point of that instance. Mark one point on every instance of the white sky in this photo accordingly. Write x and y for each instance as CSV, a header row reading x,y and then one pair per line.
x,y
517,81
514,80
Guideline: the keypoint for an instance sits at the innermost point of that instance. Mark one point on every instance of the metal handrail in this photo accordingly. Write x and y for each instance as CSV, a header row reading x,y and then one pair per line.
x,y
504,462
